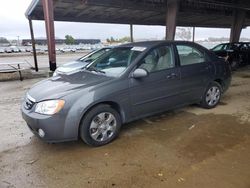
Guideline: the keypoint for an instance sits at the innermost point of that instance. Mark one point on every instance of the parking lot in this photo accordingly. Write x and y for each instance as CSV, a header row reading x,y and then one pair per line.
x,y
188,147
42,58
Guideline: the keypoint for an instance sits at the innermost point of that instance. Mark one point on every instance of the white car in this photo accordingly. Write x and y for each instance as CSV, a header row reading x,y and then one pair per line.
x,y
8,50
15,49
64,50
80,63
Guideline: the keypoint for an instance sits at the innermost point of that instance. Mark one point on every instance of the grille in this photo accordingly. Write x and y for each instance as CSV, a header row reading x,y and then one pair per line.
x,y
28,104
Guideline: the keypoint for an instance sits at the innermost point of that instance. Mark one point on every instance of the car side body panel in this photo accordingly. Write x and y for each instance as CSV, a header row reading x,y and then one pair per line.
x,y
133,98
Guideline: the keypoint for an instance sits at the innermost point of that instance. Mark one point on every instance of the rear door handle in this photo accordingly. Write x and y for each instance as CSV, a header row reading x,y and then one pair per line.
x,y
171,76
208,67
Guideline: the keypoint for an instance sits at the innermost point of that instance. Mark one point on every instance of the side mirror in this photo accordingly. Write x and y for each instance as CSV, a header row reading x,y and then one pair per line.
x,y
112,60
139,73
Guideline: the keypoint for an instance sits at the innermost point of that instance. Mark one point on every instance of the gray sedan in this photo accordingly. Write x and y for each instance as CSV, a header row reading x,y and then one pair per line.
x,y
128,82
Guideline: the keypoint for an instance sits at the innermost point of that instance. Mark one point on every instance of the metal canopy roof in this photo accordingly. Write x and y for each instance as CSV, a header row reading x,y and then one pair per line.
x,y
198,13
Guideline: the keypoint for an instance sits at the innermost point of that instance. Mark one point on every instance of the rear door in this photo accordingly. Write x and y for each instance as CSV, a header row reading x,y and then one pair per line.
x,y
160,89
195,71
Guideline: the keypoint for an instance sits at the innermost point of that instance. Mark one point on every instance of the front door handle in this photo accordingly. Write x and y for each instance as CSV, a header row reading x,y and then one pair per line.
x,y
208,67
171,76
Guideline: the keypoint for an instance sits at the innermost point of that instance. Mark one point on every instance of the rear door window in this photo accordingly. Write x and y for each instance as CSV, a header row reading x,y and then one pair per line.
x,y
189,55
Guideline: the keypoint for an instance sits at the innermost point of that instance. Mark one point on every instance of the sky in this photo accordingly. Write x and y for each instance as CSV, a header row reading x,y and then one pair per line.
x,y
13,23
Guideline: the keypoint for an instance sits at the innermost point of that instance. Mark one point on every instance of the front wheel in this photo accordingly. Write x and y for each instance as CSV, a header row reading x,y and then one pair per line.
x,y
100,126
212,96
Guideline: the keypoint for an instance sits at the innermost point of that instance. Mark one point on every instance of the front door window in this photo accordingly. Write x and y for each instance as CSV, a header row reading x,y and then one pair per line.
x,y
158,59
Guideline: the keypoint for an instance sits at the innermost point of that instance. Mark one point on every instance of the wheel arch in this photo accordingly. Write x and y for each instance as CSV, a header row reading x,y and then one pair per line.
x,y
112,104
220,82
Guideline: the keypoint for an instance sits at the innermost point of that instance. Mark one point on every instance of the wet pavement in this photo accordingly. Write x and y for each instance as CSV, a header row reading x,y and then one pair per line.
x,y
188,147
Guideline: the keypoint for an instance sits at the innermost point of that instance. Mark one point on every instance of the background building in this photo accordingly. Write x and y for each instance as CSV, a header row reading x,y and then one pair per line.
x,y
26,42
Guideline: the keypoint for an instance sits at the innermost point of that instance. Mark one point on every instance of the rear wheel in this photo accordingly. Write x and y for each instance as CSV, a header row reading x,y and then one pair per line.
x,y
212,96
100,125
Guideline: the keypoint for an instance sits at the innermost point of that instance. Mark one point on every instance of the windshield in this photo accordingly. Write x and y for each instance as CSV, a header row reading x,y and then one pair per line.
x,y
115,61
93,55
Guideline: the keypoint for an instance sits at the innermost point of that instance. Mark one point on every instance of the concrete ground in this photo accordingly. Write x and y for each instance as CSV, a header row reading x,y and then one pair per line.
x,y
42,64
189,147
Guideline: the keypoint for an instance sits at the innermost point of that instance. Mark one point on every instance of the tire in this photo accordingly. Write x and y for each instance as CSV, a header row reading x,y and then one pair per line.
x,y
100,125
212,96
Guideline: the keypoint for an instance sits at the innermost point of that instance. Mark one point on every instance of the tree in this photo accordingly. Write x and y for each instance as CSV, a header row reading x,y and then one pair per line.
x,y
124,39
112,39
184,33
3,40
69,39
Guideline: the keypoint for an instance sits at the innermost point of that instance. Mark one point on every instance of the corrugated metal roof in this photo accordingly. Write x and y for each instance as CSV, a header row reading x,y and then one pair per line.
x,y
201,13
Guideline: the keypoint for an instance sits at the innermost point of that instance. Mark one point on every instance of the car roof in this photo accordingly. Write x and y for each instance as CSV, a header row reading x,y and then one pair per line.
x,y
153,43
141,44
103,47
233,43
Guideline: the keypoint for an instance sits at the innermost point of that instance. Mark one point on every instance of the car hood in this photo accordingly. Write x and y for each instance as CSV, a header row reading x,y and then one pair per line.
x,y
71,67
59,86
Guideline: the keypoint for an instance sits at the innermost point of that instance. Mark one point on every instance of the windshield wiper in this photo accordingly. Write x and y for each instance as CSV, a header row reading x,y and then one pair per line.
x,y
96,70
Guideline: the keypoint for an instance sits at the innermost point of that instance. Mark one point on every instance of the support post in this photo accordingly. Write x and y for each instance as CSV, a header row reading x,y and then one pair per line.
x,y
33,44
237,25
48,11
193,34
171,16
131,33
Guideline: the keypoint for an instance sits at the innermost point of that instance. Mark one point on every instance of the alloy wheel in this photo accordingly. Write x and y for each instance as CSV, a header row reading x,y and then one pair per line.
x,y
213,96
103,126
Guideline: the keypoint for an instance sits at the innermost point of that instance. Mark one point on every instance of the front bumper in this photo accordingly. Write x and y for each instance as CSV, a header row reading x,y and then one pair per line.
x,y
53,126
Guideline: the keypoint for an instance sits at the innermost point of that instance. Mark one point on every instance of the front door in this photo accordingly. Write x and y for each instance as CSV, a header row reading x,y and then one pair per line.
x,y
159,90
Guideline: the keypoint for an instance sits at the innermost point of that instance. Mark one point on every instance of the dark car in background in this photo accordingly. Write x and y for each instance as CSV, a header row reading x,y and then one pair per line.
x,y
126,83
80,63
236,54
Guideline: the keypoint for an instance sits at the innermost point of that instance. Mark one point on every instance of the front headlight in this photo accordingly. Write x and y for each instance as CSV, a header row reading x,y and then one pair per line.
x,y
49,107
